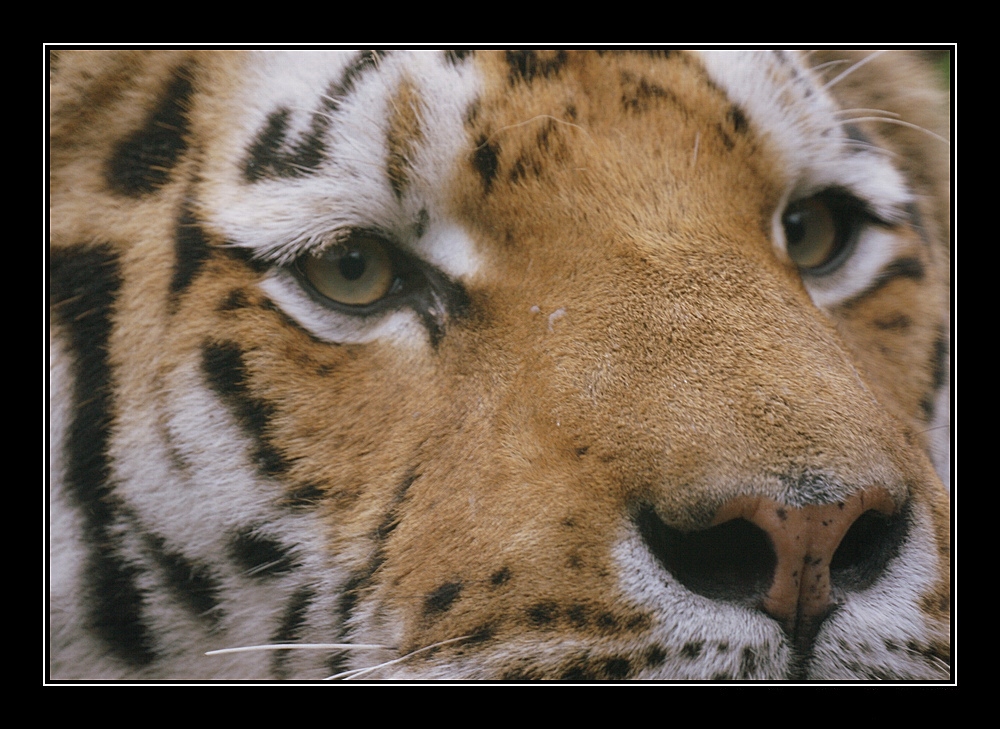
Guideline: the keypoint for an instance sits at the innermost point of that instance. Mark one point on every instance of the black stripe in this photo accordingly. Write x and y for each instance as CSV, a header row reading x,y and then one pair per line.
x,y
893,321
224,367
639,95
116,608
655,656
391,519
83,285
738,119
532,162
658,53
366,61
191,583
236,300
291,628
307,495
245,256
351,590
692,649
265,158
749,663
617,668
939,359
579,669
578,615
543,613
456,57
191,250
354,586
527,65
909,267
423,220
259,555
440,600
485,160
142,162
727,141
294,618
917,221
472,113
938,369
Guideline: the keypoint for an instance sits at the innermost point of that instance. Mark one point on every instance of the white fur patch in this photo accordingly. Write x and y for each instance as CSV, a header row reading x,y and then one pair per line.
x,y
400,326
887,614
281,219
790,107
873,251
684,617
799,119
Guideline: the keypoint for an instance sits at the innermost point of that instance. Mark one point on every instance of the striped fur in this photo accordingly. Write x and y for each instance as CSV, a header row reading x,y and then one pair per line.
x,y
596,336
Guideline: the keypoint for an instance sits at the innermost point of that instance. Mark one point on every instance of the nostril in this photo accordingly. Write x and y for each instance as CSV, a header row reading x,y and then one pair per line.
x,y
732,562
794,563
866,549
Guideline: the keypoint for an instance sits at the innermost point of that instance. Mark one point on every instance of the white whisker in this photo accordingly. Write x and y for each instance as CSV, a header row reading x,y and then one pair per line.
x,y
534,119
852,69
828,64
935,661
899,122
347,675
892,114
935,427
940,664
300,646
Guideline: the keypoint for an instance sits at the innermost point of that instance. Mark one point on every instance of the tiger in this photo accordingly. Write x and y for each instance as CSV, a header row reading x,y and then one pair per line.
x,y
571,365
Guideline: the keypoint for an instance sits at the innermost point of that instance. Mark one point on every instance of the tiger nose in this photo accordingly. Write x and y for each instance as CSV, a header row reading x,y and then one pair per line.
x,y
762,553
805,541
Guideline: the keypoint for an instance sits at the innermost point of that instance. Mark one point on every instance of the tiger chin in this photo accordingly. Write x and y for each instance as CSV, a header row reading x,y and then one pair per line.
x,y
523,365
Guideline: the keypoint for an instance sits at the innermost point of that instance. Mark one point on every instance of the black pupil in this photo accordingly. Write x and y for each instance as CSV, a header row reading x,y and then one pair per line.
x,y
352,265
795,228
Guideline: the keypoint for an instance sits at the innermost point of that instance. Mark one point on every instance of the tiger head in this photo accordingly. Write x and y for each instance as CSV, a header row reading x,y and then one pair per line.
x,y
524,365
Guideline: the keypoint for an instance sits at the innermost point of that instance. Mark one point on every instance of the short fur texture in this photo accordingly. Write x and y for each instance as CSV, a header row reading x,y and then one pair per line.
x,y
567,439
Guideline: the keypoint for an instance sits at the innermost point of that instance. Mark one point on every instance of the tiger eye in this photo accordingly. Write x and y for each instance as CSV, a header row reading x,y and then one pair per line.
x,y
811,233
358,272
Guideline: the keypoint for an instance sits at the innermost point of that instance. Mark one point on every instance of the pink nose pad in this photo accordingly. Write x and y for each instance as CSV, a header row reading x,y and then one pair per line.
x,y
804,541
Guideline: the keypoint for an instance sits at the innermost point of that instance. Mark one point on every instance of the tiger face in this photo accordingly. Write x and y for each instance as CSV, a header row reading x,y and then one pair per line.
x,y
524,365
